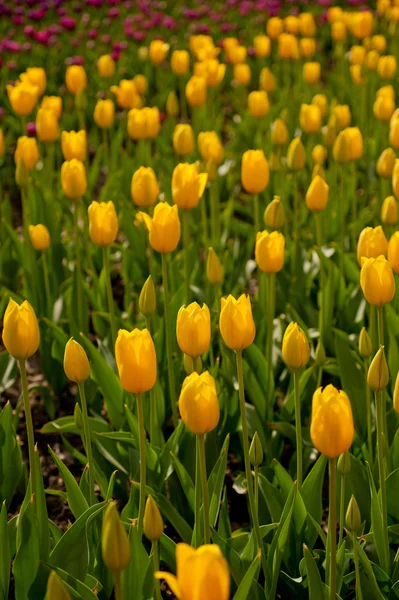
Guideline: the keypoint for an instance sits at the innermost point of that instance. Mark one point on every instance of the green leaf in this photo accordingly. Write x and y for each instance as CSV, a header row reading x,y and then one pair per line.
x,y
138,579
232,557
216,482
315,584
5,555
247,581
41,510
75,587
26,563
185,480
392,488
372,582
11,467
76,500
376,521
311,492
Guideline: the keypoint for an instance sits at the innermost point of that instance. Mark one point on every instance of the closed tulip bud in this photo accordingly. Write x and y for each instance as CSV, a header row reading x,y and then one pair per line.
x,y
193,329
394,134
39,236
136,360
288,47
269,251
153,523
362,24
334,14
183,139
386,163
356,72
258,104
379,43
319,154
106,66
126,94
53,103
73,178
158,51
279,133
291,24
56,589
387,67
365,345
163,227
115,543
242,73
188,185
383,108
378,374
320,354
23,97
372,59
353,519
147,298
73,144
210,146
393,252
21,335
143,123
310,118
214,269
341,148
141,83
104,113
46,125
296,155
198,403
311,72
262,46
377,281
103,223
236,323
274,216
78,417
267,80
332,428
355,138
307,24
295,349
321,101
204,572
357,55
344,463
254,171
188,364
317,194
389,211
307,47
274,27
76,79
237,55
172,104
76,363
256,451
372,242
386,91
27,152
342,114
144,187
196,91
180,62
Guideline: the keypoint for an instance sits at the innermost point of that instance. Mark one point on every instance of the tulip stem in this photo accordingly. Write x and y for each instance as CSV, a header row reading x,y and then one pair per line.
x,y
140,417
369,416
256,486
105,148
256,213
332,524
298,430
379,400
46,285
183,103
215,213
155,567
359,595
341,510
373,327
87,440
248,474
342,221
153,406
204,483
270,309
118,585
29,427
197,507
79,291
171,375
111,305
186,243
319,237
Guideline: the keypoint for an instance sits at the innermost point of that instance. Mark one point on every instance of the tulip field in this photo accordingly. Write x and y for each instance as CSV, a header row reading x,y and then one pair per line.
x,y
199,294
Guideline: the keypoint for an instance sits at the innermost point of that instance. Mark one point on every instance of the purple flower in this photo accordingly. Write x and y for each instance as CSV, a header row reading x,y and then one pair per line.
x,y
31,129
12,65
75,60
113,12
11,46
168,22
68,23
92,33
139,36
29,31
96,3
115,55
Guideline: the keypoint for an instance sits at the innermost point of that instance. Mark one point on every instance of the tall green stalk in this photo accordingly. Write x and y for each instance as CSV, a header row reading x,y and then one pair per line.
x,y
79,289
379,400
359,595
140,418
171,375
186,243
198,495
341,509
369,415
270,311
110,298
153,408
29,427
319,236
155,568
47,286
87,441
332,523
298,431
205,495
256,213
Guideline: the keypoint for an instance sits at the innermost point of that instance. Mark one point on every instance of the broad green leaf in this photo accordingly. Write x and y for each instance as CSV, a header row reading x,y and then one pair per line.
x,y
248,579
5,555
138,579
376,522
216,482
10,454
232,557
76,500
311,492
26,563
185,480
75,587
372,582
277,547
273,497
315,584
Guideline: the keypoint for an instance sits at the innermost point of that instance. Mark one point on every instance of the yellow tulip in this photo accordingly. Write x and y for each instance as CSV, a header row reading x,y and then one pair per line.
x,y
141,83
317,194
73,178
296,155
357,55
274,27
389,211
377,281
27,151
136,360
394,133
115,543
395,178
236,323
106,66
288,46
267,80
386,163
279,134
143,123
372,59
342,114
76,363
39,236
183,139
46,125
383,108
393,252
307,47
23,97
372,243
307,24
158,51
53,103
378,373
21,335
73,144
36,77
338,31
396,395
258,104
153,523
211,70
295,347
103,223
362,24
126,94
198,403
379,43
254,171
311,72
291,24
104,113
357,75
193,329
163,227
172,104
387,67
144,188
237,54
180,62
2,144
321,101
76,79
202,573
269,251
310,118
274,216
242,73
196,91
262,46
332,427
214,269
319,154
210,146
188,185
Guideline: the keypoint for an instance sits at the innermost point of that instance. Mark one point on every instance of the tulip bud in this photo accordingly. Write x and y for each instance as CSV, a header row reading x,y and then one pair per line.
x,y
188,364
279,133
172,104
73,179
256,451
196,89
344,463
106,66
393,252
21,334
320,354
115,543
56,589
396,395
274,215
141,83
214,269
353,519
158,51
267,80
365,345
147,299
319,154
193,329
180,62
46,125
144,187
39,236
126,94
258,103
377,281
254,171
27,152
372,242
310,118
236,323
76,363
188,185
317,194
332,429
296,155
386,163
295,347
378,374
395,178
153,523
183,139
198,403
210,146
389,211
163,227
394,133
269,251
341,150
104,113
242,74
76,78
103,223
78,417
